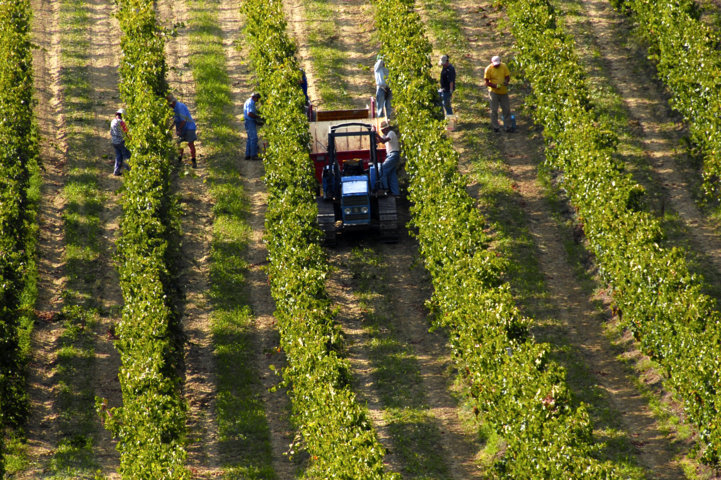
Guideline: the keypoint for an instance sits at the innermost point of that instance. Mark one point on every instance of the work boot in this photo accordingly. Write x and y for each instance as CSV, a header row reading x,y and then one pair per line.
x,y
193,163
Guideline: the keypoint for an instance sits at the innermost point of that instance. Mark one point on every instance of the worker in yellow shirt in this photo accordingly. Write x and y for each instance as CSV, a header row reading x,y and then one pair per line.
x,y
497,76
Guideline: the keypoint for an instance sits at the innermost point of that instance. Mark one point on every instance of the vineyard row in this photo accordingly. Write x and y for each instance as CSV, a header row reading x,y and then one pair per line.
x,y
18,156
659,299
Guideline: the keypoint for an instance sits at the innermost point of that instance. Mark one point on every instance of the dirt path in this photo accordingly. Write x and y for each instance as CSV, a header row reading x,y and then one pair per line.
x,y
647,107
100,279
266,339
573,310
408,289
42,429
277,403
106,99
350,316
295,15
351,45
200,382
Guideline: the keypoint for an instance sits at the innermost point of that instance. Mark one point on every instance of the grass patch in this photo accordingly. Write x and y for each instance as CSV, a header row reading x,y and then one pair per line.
x,y
244,434
327,54
396,373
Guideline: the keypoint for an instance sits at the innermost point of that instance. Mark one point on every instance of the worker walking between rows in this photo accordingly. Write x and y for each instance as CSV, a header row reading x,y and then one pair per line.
x,y
497,77
383,91
389,175
118,132
184,129
252,121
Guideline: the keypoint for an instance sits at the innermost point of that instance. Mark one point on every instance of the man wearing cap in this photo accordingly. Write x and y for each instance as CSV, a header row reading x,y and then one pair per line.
x,y
497,76
389,176
448,83
252,119
118,131
184,128
383,91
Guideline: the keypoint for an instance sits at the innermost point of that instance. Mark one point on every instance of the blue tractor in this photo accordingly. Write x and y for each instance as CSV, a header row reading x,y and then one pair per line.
x,y
350,195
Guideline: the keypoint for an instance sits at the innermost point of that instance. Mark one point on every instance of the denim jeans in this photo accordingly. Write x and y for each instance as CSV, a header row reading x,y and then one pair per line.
x,y
383,102
251,146
121,153
446,101
389,176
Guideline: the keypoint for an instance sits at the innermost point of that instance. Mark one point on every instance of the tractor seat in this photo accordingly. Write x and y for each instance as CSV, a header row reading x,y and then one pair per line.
x,y
353,167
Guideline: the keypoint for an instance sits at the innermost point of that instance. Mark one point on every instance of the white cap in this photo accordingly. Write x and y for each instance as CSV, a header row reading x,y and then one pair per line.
x,y
443,60
496,60
121,111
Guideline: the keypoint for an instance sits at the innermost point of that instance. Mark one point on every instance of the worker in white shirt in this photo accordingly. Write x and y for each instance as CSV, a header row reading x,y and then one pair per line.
x,y
389,176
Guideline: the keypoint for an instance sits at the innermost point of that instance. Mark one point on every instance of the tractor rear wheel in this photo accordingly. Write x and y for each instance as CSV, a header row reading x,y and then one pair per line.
x,y
388,219
326,222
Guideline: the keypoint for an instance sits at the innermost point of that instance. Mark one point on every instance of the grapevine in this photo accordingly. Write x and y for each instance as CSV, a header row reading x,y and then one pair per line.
x,y
18,151
150,425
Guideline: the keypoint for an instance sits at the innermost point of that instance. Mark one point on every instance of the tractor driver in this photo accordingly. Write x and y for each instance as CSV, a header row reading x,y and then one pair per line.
x,y
389,176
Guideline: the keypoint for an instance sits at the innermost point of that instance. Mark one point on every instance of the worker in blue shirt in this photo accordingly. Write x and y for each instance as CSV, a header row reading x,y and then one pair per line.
x,y
252,120
184,128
